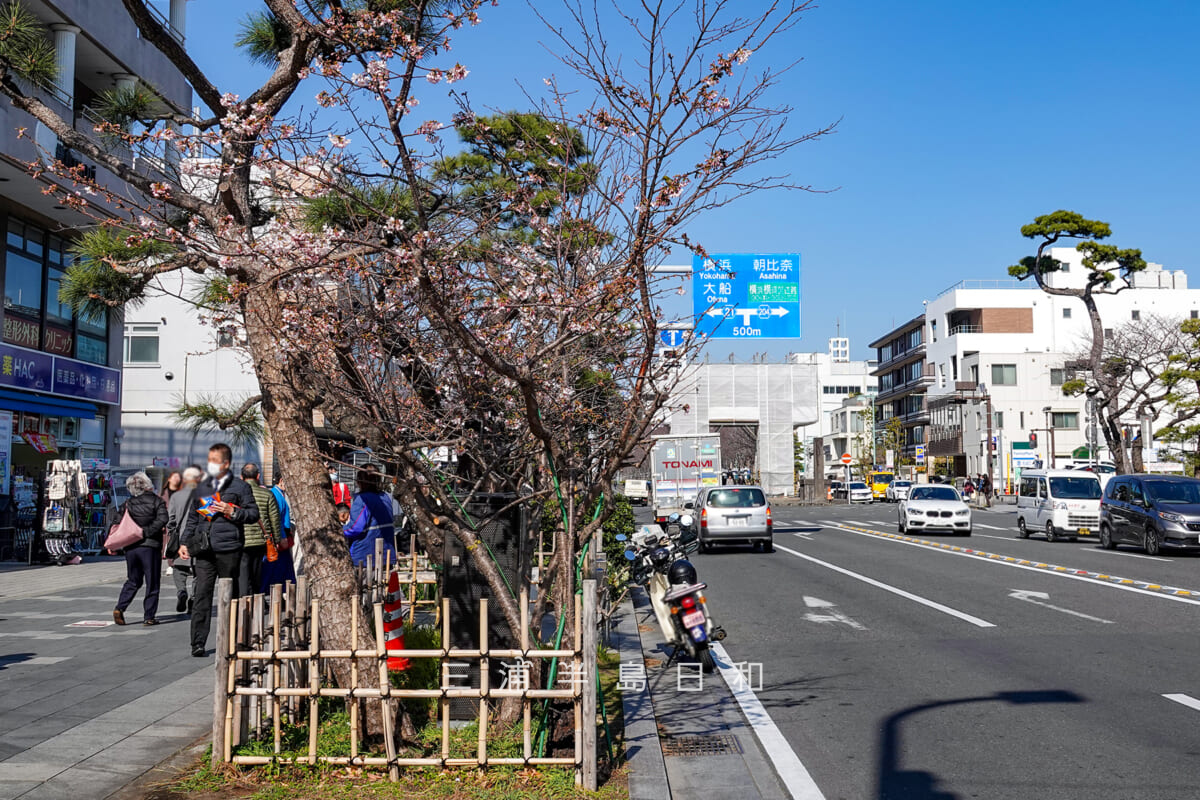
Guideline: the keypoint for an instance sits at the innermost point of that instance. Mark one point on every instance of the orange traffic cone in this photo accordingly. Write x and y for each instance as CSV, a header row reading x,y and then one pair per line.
x,y
393,623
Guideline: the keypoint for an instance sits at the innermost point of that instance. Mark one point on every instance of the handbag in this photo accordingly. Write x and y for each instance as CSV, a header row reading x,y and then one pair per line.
x,y
125,533
272,550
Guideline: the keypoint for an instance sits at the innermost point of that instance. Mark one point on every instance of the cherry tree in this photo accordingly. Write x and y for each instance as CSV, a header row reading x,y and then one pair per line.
x,y
500,303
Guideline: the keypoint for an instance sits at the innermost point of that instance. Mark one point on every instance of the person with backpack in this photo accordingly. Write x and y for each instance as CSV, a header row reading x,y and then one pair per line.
x,y
143,560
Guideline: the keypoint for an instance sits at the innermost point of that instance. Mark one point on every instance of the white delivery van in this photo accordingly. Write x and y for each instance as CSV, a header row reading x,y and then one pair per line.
x,y
1058,503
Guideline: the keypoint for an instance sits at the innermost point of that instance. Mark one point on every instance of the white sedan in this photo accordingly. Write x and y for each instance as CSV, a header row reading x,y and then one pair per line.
x,y
936,507
861,493
897,491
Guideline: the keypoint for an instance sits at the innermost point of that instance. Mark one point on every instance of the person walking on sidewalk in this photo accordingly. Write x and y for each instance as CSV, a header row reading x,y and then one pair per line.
x,y
143,561
267,528
985,490
178,518
224,505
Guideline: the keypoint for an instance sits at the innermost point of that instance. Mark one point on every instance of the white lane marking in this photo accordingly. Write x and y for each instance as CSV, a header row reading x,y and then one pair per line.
x,y
1121,553
900,592
989,527
790,769
1003,563
828,613
989,536
877,522
1040,598
1184,700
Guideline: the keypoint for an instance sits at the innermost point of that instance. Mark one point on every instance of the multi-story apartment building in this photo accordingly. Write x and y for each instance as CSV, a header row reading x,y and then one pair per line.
x,y
1005,345
60,373
904,377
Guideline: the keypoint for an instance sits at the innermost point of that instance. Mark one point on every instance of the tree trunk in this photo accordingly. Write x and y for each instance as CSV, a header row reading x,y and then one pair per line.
x,y
288,413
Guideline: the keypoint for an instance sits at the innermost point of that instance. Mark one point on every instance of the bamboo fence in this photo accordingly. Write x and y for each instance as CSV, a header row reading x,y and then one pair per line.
x,y
272,671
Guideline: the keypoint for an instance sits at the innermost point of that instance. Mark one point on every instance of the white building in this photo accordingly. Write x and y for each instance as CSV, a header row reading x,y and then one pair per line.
x,y
852,432
173,356
838,378
774,399
1007,343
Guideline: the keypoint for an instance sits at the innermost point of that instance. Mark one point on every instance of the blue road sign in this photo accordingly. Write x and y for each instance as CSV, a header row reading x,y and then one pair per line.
x,y
672,337
747,296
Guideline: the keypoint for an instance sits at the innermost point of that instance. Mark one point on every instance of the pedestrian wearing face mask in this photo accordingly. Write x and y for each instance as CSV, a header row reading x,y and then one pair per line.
x,y
221,506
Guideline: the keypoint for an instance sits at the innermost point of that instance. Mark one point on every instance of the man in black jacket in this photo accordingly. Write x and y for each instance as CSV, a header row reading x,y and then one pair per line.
x,y
223,505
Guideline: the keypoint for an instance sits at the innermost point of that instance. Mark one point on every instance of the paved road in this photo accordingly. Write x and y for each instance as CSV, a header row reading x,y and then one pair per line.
x,y
85,709
902,669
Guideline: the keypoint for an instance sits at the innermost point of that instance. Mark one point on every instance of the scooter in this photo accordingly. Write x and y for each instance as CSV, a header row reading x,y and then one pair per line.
x,y
675,591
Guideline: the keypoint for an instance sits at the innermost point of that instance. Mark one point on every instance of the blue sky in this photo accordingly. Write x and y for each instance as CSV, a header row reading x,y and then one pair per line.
x,y
960,122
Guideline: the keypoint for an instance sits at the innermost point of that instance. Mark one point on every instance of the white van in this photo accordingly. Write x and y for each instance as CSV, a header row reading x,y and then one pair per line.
x,y
1060,503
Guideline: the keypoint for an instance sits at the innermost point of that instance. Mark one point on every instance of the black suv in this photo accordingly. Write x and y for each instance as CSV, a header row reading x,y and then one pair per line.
x,y
1152,511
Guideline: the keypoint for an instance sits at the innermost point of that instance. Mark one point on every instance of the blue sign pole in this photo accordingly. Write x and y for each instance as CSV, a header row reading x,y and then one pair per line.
x,y
747,296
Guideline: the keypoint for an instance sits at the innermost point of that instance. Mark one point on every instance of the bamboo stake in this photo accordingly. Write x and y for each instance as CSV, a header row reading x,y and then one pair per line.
x,y
526,716
314,678
575,703
353,683
484,681
231,686
445,703
255,670
388,707
276,601
221,696
239,670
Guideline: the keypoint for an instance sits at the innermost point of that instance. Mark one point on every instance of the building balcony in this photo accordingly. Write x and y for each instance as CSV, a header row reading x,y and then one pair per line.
x,y
899,359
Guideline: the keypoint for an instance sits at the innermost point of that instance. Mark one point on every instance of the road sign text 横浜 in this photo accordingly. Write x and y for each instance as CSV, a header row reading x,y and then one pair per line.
x,y
747,296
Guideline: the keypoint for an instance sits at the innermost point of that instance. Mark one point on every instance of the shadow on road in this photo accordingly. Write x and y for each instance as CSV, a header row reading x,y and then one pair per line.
x,y
901,784
14,658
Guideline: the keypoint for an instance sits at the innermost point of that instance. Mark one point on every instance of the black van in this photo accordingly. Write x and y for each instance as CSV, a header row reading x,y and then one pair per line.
x,y
1151,511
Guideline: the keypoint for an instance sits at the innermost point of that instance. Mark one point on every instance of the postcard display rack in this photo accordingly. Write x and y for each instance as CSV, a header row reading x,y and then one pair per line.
x,y
62,530
97,508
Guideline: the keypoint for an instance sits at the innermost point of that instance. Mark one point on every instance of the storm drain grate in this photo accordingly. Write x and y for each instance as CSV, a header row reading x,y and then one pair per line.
x,y
724,744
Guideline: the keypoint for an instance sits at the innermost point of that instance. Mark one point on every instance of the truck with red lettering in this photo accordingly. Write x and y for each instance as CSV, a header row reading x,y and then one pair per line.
x,y
681,466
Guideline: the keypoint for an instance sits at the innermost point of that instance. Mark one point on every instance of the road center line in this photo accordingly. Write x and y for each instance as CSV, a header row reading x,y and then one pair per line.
x,y
791,770
992,558
982,623
1184,700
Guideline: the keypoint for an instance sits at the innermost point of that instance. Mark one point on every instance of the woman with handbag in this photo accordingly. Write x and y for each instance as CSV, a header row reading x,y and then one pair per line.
x,y
143,559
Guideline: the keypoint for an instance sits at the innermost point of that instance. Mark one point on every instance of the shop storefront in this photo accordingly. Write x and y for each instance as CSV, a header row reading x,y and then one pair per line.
x,y
51,407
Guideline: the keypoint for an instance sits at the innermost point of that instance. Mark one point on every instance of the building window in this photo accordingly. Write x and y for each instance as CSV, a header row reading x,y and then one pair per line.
x,y
23,285
1056,377
1066,313
1108,333
1195,314
1065,420
141,344
998,420
1022,420
1004,374
1135,314
92,342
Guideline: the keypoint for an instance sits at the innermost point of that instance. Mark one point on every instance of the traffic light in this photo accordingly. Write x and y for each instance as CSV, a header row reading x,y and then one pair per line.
x,y
1033,440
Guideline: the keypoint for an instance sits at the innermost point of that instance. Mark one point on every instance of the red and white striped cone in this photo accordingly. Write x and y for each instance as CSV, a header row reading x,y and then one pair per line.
x,y
393,623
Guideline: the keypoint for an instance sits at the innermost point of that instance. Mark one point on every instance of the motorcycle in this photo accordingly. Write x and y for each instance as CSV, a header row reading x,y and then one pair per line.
x,y
676,593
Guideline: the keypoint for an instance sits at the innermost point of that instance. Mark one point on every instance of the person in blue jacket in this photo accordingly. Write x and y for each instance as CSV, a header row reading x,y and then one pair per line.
x,y
370,519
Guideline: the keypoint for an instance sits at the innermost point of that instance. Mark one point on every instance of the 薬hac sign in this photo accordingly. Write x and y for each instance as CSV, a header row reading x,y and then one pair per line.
x,y
42,372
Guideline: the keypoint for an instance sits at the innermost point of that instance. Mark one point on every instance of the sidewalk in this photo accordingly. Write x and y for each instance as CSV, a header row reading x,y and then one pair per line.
x,y
86,706
703,743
